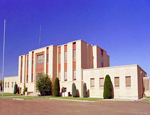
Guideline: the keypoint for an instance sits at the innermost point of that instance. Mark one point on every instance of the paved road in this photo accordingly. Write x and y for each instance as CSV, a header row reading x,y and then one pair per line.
x,y
62,107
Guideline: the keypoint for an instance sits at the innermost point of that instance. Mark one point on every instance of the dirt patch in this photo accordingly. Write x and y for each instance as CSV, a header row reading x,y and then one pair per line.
x,y
62,107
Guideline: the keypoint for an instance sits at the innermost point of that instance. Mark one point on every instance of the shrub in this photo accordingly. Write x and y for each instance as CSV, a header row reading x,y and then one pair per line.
x,y
44,85
56,87
25,90
84,90
107,88
74,90
15,89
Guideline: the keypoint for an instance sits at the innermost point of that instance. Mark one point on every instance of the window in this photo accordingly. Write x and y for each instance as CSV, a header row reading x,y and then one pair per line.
x,y
65,56
47,57
27,63
74,74
74,54
32,61
38,76
5,84
116,81
27,79
40,59
12,84
21,79
128,81
92,82
101,82
21,64
59,57
32,78
59,75
65,76
8,84
15,82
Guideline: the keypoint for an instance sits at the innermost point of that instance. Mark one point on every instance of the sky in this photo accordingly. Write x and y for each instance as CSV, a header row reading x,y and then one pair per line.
x,y
121,27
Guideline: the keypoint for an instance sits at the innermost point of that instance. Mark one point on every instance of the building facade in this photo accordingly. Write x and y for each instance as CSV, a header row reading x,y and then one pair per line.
x,y
76,62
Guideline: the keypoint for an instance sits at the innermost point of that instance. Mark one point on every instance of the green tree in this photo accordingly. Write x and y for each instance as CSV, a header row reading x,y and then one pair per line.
x,y
44,85
25,90
56,87
107,94
84,90
74,90
15,89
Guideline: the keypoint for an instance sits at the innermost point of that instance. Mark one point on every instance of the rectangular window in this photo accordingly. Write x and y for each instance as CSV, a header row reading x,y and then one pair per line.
x,y
74,54
65,76
40,59
59,57
38,76
12,84
92,82
128,81
32,78
5,84
32,61
27,63
65,53
116,81
101,82
47,57
8,84
15,82
59,75
27,79
21,79
21,64
74,74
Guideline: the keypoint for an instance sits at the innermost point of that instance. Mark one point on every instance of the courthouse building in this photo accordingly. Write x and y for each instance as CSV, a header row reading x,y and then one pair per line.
x,y
78,62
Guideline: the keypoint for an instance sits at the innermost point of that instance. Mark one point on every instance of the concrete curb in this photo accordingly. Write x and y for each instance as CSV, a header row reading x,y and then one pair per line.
x,y
71,100
18,99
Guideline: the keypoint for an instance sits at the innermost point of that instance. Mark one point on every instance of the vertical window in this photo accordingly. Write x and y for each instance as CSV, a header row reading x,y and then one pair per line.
x,y
74,54
65,76
74,74
32,61
59,75
27,63
92,82
101,82
27,79
116,81
40,59
47,57
15,82
8,84
65,56
38,76
21,79
12,84
128,81
32,77
59,57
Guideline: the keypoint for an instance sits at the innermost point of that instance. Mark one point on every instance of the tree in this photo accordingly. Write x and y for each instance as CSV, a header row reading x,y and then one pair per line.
x,y
25,90
84,90
107,94
44,85
74,90
56,87
15,89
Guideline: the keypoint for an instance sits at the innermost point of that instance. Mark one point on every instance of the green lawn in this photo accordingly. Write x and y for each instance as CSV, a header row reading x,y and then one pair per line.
x,y
11,96
8,94
146,99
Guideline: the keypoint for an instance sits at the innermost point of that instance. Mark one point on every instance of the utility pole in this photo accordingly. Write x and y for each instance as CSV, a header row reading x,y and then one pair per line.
x,y
3,55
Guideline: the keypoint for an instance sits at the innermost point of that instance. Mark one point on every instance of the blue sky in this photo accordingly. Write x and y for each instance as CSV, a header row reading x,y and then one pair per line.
x,y
121,27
